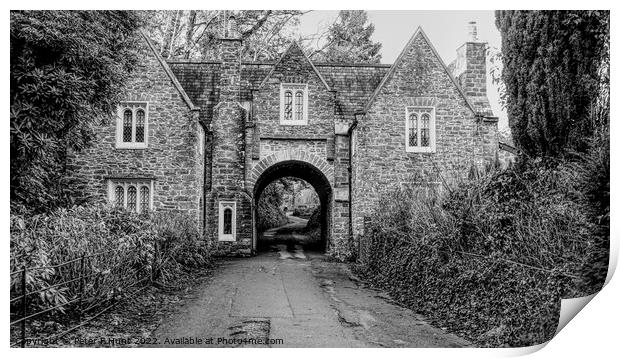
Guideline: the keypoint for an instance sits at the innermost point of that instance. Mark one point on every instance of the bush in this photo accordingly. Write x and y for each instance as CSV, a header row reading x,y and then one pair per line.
x,y
269,213
139,248
492,257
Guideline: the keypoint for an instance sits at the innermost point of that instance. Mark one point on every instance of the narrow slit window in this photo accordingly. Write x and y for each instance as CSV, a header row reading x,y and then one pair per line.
x,y
127,125
288,105
227,221
131,198
140,126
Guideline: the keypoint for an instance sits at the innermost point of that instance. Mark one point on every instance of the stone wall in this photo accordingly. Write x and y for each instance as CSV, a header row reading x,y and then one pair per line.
x,y
171,159
381,161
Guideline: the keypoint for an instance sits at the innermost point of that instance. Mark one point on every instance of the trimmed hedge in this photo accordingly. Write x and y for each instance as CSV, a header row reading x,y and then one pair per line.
x,y
492,257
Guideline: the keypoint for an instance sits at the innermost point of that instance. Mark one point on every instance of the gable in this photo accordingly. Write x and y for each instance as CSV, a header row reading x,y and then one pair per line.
x,y
294,66
169,73
417,59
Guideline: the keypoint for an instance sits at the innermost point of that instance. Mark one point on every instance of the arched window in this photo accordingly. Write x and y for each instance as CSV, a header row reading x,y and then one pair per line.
x,y
127,125
299,106
425,130
288,105
131,198
119,196
228,221
413,130
144,198
140,126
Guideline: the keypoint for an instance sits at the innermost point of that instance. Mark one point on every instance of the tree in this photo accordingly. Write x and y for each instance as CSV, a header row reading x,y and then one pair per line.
x,y
349,40
551,62
67,71
193,34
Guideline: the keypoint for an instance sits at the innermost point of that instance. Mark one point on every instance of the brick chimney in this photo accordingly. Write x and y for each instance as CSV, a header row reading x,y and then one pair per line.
x,y
230,55
470,68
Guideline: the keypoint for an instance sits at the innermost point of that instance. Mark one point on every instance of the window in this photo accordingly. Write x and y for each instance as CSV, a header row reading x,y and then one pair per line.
x,y
132,194
227,227
293,104
131,129
420,129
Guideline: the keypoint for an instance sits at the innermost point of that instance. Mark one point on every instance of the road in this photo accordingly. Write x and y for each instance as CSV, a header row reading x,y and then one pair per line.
x,y
290,297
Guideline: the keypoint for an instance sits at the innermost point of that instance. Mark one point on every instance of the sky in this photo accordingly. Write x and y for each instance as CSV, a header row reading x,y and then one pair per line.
x,y
447,30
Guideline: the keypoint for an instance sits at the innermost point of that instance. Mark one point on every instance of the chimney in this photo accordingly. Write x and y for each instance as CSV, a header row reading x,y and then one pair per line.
x,y
470,67
472,32
230,55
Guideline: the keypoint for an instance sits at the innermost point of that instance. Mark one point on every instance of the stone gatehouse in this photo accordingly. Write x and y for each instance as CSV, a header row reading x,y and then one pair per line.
x,y
208,137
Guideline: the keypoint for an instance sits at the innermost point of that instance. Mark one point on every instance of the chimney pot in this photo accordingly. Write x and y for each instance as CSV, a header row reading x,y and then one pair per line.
x,y
472,32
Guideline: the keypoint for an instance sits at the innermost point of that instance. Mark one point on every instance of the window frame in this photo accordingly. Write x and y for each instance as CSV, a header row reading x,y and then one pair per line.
x,y
420,110
126,183
223,205
294,88
133,106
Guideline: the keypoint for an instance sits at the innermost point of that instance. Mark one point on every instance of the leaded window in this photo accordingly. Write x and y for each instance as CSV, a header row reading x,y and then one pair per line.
x,y
131,194
294,104
127,125
299,105
227,221
131,198
288,105
133,125
144,198
420,129
119,196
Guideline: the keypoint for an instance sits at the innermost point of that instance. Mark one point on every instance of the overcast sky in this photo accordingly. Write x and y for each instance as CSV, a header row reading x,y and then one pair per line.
x,y
447,30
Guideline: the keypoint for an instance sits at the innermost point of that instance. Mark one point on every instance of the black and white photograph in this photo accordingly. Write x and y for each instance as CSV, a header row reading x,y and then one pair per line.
x,y
306,178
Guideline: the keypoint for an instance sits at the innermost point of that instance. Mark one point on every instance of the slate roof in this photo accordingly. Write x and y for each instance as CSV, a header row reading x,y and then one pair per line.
x,y
354,83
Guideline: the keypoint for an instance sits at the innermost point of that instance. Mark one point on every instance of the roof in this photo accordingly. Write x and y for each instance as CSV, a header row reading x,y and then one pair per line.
x,y
357,85
353,82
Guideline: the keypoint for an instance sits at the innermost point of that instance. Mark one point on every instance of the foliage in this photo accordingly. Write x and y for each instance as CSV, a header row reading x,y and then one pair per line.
x,y
138,248
194,34
551,62
491,257
349,40
67,70
269,213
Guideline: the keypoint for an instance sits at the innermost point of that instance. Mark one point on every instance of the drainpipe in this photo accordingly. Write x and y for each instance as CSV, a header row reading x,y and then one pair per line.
x,y
350,169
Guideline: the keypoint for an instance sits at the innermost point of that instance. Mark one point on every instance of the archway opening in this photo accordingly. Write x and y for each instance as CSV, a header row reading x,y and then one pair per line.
x,y
297,188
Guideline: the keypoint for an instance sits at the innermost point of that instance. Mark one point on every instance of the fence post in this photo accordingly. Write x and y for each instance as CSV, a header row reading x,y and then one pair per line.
x,y
24,311
81,287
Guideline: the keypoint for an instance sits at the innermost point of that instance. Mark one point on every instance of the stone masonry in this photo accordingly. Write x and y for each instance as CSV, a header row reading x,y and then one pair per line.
x,y
351,150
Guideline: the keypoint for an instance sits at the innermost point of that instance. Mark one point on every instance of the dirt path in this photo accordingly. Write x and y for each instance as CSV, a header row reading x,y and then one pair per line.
x,y
291,298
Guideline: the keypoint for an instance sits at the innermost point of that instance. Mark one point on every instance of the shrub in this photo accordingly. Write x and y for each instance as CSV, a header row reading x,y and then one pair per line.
x,y
490,258
138,248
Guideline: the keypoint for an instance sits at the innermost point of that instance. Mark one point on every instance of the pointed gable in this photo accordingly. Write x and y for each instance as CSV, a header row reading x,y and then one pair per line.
x,y
292,64
169,73
410,61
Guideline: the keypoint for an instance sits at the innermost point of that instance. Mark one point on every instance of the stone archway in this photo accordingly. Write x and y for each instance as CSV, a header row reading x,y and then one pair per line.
x,y
314,170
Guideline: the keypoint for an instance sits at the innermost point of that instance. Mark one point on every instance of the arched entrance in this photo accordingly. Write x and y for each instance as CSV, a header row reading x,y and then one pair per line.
x,y
302,170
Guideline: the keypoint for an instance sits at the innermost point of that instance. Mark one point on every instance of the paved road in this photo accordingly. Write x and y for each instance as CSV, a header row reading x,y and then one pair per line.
x,y
288,297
